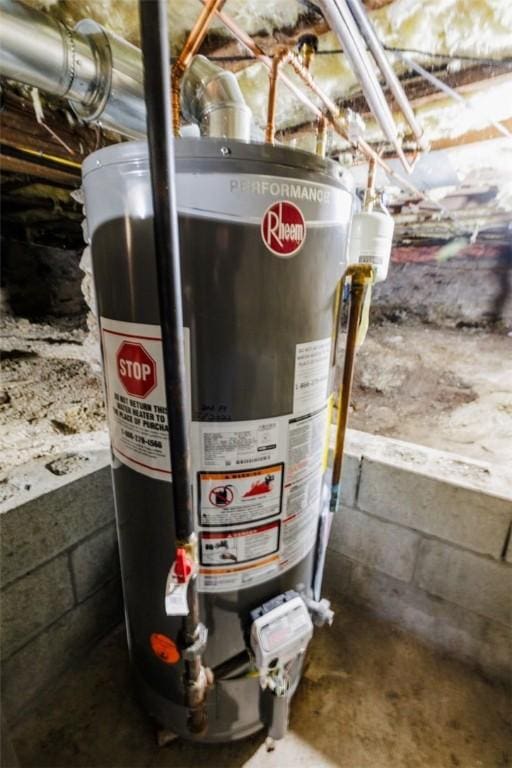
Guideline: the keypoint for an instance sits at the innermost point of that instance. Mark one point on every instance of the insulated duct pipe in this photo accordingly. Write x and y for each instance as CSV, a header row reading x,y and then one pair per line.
x,y
97,72
378,53
211,97
342,23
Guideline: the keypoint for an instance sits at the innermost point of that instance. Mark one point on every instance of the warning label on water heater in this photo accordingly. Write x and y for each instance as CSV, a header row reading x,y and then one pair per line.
x,y
234,498
243,546
135,393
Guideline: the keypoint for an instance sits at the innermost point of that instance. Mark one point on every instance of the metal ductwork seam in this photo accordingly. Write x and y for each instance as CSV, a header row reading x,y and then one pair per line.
x,y
98,73
211,97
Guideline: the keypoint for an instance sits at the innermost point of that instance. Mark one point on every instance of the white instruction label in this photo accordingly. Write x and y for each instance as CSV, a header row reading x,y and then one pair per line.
x,y
135,393
239,443
312,365
306,442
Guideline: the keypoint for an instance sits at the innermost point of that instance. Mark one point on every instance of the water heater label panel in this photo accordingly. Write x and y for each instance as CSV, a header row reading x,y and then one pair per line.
x,y
285,494
135,395
239,444
312,366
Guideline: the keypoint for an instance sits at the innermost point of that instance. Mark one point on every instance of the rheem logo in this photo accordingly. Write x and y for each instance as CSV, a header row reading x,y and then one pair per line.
x,y
136,369
283,228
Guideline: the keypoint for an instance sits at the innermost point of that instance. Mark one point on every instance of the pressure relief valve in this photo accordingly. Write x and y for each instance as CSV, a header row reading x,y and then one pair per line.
x,y
182,571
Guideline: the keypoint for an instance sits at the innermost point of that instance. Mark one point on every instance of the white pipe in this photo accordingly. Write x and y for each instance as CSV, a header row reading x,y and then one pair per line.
x,y
437,83
211,97
341,21
378,53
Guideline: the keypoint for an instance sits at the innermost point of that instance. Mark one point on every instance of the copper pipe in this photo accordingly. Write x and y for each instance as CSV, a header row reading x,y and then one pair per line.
x,y
369,195
281,57
307,47
357,144
362,277
192,44
321,136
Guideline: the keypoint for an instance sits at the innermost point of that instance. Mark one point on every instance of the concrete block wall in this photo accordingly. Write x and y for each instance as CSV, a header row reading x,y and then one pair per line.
x,y
423,539
60,587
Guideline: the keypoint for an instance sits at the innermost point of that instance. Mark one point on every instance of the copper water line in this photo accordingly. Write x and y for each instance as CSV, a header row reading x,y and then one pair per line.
x,y
192,43
369,195
321,136
357,144
248,43
361,279
279,58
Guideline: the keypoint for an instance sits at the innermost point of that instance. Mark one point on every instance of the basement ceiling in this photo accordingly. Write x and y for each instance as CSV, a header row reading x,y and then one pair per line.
x,y
467,44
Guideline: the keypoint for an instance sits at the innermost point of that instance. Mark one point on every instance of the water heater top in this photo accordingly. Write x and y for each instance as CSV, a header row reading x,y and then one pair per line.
x,y
248,157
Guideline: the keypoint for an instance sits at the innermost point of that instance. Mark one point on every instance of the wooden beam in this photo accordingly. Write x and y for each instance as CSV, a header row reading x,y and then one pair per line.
x,y
54,152
419,92
472,137
35,169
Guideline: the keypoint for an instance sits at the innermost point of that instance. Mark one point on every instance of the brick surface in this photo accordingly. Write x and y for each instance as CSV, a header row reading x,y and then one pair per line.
x,y
338,569
95,561
45,658
349,479
443,625
34,601
476,583
464,516
508,553
44,527
378,544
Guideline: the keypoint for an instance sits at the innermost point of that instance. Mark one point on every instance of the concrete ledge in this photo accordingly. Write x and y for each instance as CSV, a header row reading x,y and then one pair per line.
x,y
442,568
462,515
60,569
61,510
426,543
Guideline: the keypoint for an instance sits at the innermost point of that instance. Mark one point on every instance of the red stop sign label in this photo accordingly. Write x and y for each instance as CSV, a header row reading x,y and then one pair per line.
x,y
283,228
136,369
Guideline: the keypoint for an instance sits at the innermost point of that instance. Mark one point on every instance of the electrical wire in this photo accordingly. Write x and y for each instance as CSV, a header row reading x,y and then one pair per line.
x,y
391,49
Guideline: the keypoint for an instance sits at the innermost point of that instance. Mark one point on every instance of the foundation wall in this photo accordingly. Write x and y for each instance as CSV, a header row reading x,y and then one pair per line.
x,y
422,539
60,585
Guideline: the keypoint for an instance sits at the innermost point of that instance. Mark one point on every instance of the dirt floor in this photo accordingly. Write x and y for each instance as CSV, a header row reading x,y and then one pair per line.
x,y
371,697
448,389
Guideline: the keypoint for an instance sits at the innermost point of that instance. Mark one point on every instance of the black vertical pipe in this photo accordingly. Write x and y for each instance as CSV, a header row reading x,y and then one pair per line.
x,y
157,87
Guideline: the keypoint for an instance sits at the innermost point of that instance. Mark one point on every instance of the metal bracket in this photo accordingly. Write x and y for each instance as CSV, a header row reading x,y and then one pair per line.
x,y
196,649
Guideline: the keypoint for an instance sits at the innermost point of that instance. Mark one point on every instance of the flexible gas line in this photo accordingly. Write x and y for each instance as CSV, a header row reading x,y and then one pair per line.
x,y
362,277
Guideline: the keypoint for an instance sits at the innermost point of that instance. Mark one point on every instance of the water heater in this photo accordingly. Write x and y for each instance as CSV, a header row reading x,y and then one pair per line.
x,y
263,234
